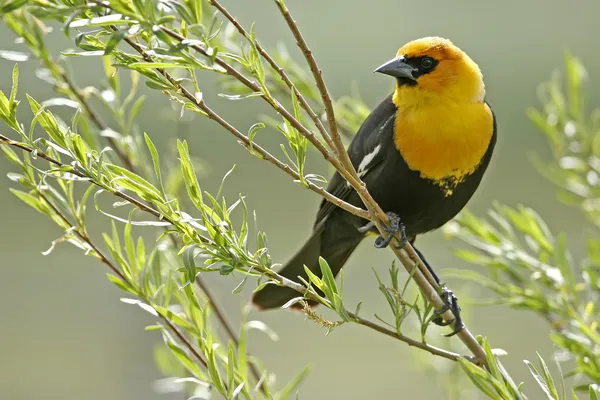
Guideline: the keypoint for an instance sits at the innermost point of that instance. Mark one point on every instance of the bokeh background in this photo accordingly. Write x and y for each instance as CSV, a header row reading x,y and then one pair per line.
x,y
65,335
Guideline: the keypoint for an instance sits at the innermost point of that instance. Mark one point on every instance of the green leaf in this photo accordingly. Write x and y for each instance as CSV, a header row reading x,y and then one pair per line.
x,y
107,20
156,162
240,96
157,85
79,151
189,263
114,40
542,383
492,365
12,6
48,122
230,369
593,393
189,175
121,285
213,370
153,65
15,85
32,201
185,360
480,379
174,318
294,383
130,248
131,181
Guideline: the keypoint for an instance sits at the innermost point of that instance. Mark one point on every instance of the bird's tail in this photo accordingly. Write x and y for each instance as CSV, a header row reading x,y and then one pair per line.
x,y
273,296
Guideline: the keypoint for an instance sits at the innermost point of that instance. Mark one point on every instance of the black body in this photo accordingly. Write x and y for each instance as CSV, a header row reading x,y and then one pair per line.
x,y
420,203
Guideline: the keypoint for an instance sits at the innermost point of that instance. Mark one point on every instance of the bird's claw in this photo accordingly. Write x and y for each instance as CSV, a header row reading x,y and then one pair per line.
x,y
450,303
395,226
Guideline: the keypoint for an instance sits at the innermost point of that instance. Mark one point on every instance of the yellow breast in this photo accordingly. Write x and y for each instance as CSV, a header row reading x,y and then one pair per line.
x,y
444,142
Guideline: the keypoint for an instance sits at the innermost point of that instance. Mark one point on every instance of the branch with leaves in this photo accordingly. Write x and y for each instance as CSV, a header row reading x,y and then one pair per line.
x,y
169,44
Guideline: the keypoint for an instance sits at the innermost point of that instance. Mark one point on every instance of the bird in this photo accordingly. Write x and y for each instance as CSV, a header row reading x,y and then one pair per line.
x,y
422,154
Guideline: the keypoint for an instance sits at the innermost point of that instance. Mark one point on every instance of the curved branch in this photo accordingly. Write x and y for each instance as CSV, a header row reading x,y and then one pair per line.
x,y
343,165
280,71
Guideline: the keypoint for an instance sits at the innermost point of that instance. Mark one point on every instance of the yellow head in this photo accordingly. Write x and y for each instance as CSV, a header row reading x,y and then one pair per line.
x,y
433,69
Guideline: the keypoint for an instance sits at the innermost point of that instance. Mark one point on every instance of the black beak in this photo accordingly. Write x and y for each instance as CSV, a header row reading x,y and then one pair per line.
x,y
397,68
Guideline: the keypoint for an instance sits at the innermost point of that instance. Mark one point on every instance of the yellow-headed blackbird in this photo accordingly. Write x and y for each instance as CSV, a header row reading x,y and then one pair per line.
x,y
421,153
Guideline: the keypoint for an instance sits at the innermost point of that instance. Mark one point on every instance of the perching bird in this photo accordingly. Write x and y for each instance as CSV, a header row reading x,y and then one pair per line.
x,y
422,154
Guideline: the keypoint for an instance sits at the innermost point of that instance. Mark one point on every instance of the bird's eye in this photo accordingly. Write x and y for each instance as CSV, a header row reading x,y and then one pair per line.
x,y
427,62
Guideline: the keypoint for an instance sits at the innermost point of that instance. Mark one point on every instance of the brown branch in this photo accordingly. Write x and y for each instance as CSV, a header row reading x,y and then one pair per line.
x,y
113,268
280,71
221,317
245,141
342,164
426,280
422,277
412,342
301,289
330,157
129,164
354,180
318,76
137,203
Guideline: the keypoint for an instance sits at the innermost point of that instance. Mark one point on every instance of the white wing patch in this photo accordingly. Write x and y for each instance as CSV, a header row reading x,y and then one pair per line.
x,y
363,167
364,164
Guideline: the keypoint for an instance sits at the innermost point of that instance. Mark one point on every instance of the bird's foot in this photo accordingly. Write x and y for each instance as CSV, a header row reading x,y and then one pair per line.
x,y
395,226
450,303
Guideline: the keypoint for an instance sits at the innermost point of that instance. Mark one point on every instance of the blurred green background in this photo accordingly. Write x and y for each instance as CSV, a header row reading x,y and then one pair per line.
x,y
65,335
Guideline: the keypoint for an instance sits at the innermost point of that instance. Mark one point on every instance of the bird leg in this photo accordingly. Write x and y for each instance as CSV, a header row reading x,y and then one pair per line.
x,y
395,226
449,299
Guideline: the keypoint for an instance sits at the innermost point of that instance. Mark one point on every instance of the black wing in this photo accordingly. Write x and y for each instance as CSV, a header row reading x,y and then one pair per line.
x,y
365,152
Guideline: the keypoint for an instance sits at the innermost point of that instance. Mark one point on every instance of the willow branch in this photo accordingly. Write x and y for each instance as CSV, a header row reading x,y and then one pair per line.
x,y
318,76
255,87
245,141
301,289
280,71
129,164
342,164
100,256
70,169
424,279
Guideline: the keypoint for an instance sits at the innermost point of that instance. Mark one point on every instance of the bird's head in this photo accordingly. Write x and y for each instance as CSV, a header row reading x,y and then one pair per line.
x,y
431,69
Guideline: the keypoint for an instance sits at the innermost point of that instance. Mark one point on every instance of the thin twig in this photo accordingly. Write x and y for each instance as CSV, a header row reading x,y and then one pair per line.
x,y
256,88
342,164
113,268
409,257
137,203
280,71
246,142
425,280
223,320
328,155
301,289
412,342
318,76
422,276
129,164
